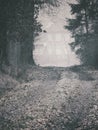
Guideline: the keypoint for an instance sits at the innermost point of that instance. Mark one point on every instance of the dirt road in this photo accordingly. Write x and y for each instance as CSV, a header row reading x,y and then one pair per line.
x,y
50,99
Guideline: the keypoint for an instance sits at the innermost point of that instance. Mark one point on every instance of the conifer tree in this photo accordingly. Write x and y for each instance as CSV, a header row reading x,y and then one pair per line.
x,y
84,28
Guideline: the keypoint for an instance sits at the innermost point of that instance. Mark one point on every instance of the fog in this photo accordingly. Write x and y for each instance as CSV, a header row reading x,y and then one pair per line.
x,y
52,47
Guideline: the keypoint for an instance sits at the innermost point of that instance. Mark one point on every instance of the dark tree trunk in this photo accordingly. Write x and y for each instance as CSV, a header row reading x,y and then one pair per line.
x,y
3,39
20,32
16,33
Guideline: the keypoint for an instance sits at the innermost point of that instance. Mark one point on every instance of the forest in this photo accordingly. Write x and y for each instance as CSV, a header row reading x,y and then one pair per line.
x,y
33,97
19,27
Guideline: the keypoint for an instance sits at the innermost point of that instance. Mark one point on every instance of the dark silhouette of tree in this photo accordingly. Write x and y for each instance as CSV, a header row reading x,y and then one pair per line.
x,y
84,27
18,28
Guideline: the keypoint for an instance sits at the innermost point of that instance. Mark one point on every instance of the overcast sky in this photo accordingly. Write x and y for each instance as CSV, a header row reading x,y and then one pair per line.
x,y
51,48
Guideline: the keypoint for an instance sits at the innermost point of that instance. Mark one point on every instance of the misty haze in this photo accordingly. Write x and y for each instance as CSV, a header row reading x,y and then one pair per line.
x,y
52,48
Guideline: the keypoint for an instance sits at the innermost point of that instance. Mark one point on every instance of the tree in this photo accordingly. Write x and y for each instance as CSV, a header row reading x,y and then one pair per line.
x,y
18,28
83,28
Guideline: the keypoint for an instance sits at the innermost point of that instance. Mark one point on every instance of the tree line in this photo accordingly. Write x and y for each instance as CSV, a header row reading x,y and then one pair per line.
x,y
84,28
18,28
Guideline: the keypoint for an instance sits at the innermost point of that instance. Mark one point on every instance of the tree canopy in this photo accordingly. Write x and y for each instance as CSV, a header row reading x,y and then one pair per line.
x,y
84,29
